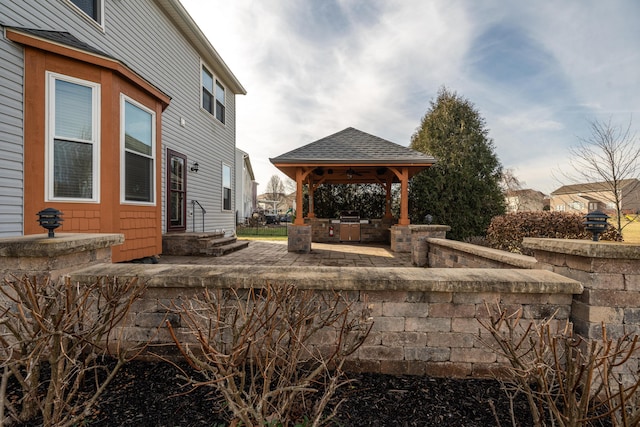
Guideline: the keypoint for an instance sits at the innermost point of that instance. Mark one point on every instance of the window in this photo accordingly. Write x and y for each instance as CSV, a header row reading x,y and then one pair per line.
x,y
213,102
207,91
138,154
92,8
560,208
226,188
219,102
73,139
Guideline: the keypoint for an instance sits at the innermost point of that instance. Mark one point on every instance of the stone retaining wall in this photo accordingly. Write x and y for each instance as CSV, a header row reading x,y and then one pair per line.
x,y
37,255
442,253
423,323
426,320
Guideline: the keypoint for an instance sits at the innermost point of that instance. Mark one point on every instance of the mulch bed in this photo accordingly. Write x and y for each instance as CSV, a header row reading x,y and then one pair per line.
x,y
152,394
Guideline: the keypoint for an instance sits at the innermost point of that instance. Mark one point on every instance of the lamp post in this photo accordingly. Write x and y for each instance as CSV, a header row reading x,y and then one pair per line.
x,y
596,223
50,219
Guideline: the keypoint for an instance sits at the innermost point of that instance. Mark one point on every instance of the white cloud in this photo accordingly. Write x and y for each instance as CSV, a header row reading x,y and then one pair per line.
x,y
536,71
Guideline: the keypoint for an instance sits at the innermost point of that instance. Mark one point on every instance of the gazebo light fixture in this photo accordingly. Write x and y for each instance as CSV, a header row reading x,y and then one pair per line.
x,y
350,173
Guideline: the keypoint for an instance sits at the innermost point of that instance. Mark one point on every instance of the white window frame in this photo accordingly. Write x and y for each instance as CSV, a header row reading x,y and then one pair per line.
x,y
224,165
99,22
123,150
216,82
51,78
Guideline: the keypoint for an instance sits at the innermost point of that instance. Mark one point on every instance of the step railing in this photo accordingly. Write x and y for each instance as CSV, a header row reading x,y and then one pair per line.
x,y
193,209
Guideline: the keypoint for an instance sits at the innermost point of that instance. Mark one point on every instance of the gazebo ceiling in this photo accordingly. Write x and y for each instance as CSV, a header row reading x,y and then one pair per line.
x,y
352,156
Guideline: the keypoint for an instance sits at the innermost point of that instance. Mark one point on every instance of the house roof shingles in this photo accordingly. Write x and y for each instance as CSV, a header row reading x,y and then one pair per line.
x,y
590,187
352,146
63,38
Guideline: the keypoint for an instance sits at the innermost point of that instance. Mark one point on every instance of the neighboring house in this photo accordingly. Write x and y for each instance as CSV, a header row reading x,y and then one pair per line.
x,y
120,114
278,204
524,200
585,198
246,187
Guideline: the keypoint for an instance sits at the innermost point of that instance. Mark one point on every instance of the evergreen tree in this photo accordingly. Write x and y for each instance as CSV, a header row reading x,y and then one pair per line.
x,y
462,189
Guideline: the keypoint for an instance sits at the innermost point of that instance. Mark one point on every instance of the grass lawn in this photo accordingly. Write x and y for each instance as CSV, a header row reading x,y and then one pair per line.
x,y
283,238
631,232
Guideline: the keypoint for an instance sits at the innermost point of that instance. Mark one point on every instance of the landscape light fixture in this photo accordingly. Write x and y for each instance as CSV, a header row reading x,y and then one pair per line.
x,y
195,167
50,219
596,223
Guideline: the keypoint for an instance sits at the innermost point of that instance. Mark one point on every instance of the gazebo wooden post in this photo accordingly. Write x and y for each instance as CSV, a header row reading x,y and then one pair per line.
x,y
299,184
312,190
387,202
404,197
299,233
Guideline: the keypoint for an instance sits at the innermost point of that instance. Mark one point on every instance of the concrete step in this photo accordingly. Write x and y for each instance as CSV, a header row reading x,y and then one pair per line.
x,y
211,242
220,250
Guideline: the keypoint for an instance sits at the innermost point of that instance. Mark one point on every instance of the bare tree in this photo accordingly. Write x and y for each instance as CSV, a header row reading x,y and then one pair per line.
x,y
275,187
510,185
607,159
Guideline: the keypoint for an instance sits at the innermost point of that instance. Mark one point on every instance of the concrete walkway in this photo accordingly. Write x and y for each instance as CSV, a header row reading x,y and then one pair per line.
x,y
274,253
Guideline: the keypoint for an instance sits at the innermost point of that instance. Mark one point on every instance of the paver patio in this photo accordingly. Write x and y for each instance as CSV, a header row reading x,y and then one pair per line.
x,y
274,253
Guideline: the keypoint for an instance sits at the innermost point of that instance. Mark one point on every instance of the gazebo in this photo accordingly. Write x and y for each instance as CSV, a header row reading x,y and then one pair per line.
x,y
349,157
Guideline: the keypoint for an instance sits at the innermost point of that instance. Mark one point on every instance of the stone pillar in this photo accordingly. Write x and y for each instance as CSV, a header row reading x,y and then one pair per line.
x,y
299,238
400,239
419,251
402,235
38,255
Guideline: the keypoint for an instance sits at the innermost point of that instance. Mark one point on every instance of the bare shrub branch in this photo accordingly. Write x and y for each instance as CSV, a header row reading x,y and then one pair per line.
x,y
568,380
267,351
67,331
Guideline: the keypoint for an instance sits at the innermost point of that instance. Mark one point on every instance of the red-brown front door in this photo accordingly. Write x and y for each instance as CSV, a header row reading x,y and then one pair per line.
x,y
176,191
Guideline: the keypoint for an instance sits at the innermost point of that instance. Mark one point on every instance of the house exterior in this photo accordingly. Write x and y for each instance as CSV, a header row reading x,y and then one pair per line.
x,y
246,187
526,200
584,198
121,115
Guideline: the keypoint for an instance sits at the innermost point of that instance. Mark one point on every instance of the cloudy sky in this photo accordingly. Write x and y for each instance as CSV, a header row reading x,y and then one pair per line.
x,y
538,72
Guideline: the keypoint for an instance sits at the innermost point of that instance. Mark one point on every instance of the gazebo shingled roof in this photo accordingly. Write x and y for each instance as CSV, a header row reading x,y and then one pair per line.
x,y
352,156
351,149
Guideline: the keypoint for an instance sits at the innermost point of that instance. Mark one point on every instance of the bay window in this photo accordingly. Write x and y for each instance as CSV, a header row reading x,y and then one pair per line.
x,y
72,139
138,136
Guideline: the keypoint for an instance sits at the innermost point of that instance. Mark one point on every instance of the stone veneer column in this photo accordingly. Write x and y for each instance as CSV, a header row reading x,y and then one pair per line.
x,y
403,235
610,274
299,238
38,255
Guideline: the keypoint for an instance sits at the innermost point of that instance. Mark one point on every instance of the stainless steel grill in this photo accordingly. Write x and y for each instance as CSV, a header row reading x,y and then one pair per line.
x,y
349,226
349,216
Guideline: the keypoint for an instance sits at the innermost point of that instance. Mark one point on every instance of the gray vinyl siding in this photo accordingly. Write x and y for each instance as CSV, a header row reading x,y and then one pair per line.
x,y
11,141
140,35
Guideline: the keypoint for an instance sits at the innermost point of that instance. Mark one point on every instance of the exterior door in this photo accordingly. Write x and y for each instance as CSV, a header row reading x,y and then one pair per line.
x,y
176,191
